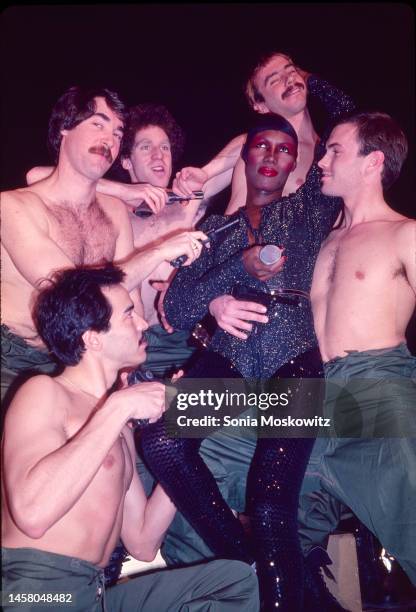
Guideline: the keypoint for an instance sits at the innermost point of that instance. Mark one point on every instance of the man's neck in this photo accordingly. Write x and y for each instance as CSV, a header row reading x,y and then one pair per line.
x,y
90,377
365,206
66,185
302,123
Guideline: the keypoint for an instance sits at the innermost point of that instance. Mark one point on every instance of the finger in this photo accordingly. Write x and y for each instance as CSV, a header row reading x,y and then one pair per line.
x,y
251,306
240,323
235,332
246,315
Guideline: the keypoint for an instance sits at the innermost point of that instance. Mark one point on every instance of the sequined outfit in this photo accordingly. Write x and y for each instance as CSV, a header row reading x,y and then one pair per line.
x,y
299,223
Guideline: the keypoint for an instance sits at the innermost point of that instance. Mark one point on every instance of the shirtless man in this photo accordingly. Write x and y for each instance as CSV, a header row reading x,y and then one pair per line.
x,y
64,223
152,143
70,487
363,295
277,86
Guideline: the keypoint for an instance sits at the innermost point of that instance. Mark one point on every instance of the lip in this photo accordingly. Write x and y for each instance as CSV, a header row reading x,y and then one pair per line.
x,y
267,171
293,90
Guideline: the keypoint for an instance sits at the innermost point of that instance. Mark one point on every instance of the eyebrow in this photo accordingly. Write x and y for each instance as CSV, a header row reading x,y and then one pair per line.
x,y
333,144
107,118
128,309
276,72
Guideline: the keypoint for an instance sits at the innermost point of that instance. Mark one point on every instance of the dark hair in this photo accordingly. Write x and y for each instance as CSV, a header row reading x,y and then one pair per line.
x,y
265,122
73,107
380,132
143,115
71,304
252,93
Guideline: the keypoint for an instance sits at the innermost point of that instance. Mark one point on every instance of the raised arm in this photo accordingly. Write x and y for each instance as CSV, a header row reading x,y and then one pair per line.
x,y
45,472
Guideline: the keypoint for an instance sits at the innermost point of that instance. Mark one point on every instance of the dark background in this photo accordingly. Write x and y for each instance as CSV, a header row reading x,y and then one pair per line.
x,y
194,58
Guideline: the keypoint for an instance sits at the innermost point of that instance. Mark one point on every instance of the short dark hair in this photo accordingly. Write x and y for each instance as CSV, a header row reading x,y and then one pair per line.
x,y
379,132
73,107
265,122
71,304
143,115
251,91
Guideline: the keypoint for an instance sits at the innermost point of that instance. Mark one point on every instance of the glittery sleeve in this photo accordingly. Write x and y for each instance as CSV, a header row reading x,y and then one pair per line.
x,y
337,103
210,276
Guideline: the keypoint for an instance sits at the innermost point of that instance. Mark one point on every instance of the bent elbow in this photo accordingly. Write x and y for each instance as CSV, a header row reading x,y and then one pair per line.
x,y
29,522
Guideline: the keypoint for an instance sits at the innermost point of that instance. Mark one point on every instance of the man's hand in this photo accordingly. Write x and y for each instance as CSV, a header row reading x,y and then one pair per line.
x,y
257,268
233,315
188,180
162,286
135,194
184,243
143,401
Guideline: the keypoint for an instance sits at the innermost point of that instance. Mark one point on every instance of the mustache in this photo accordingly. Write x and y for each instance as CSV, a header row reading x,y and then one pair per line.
x,y
102,150
289,89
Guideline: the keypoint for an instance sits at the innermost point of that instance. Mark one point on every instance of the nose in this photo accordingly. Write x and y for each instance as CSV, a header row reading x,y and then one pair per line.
x,y
141,324
108,139
156,153
323,163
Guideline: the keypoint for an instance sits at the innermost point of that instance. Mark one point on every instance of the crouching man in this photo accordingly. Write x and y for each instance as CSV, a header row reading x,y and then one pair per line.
x,y
69,480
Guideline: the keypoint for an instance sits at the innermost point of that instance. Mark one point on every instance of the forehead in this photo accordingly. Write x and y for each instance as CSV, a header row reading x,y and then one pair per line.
x,y
118,297
101,106
275,63
153,133
344,134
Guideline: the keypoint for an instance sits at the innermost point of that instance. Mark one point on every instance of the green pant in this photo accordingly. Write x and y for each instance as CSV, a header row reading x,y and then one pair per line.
x,y
374,477
166,352
19,360
218,586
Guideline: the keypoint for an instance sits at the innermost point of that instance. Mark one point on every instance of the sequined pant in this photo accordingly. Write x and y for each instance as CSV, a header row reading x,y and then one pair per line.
x,y
274,482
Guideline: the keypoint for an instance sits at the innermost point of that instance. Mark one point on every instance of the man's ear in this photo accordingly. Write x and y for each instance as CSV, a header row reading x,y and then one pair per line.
x,y
261,108
92,340
375,161
64,132
126,163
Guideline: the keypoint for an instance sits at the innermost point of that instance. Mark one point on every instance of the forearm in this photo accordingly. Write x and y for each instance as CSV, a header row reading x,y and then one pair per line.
x,y
63,475
226,159
114,188
336,102
140,265
188,298
158,515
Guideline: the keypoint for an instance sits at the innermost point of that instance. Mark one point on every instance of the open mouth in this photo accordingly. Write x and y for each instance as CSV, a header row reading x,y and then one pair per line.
x,y
292,90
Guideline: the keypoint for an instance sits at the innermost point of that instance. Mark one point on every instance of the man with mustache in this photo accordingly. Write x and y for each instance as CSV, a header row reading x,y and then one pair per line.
x,y
276,85
71,488
61,221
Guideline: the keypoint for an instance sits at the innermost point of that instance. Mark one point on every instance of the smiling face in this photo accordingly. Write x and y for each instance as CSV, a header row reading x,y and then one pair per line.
x,y
123,343
342,165
270,158
282,87
150,160
92,146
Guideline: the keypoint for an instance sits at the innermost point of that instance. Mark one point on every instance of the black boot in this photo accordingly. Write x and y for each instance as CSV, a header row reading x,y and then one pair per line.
x,y
317,597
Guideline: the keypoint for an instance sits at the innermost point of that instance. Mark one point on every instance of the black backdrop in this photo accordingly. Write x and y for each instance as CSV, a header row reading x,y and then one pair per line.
x,y
193,58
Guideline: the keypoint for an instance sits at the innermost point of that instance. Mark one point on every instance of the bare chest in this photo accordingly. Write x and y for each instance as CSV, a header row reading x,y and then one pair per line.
x,y
357,257
147,230
86,236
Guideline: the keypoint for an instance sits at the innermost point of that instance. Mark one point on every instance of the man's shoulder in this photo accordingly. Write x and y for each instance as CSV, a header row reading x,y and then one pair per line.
x,y
40,396
27,196
114,207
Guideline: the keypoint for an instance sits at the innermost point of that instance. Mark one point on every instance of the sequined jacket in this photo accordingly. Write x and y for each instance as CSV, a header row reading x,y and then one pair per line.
x,y
299,223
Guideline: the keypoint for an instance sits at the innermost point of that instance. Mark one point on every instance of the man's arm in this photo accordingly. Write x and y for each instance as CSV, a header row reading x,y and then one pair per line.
x,y
134,194
215,175
45,472
406,245
145,520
